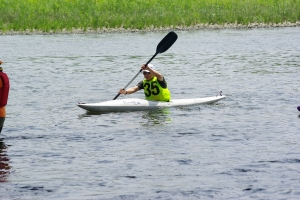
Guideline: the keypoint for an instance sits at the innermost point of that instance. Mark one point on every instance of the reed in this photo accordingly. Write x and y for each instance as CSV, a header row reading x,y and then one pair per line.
x,y
46,15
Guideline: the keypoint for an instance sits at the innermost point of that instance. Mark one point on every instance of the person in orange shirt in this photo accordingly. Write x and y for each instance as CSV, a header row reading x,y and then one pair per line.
x,y
4,89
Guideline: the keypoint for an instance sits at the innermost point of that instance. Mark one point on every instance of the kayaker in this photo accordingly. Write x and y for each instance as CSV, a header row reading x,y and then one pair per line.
x,y
154,85
4,88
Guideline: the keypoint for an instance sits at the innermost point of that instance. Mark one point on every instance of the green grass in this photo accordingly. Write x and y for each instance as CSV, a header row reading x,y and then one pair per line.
x,y
46,15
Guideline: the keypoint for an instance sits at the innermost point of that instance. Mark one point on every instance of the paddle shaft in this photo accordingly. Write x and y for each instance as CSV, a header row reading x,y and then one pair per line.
x,y
163,46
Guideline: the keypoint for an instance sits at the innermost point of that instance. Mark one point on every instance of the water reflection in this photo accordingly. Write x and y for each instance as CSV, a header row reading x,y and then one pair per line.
x,y
157,117
4,162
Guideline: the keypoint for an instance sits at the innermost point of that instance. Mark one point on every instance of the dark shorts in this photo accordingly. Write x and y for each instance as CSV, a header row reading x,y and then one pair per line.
x,y
2,119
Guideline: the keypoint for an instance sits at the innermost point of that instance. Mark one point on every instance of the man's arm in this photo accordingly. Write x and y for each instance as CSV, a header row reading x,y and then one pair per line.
x,y
129,90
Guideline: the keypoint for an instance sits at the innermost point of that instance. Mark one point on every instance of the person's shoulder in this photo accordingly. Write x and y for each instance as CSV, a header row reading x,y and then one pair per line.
x,y
164,80
140,85
163,83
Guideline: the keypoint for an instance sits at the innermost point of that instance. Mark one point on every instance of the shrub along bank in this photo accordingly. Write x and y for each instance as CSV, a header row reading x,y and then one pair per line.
x,y
121,15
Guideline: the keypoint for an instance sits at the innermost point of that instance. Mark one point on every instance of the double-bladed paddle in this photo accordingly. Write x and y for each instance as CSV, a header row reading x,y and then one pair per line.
x,y
163,46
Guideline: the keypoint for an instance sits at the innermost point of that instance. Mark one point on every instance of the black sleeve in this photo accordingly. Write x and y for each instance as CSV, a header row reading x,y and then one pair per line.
x,y
140,85
163,83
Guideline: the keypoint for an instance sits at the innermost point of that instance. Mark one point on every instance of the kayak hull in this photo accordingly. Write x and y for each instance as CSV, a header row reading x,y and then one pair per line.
x,y
142,104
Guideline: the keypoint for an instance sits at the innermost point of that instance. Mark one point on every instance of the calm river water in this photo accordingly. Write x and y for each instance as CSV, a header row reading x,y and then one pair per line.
x,y
244,147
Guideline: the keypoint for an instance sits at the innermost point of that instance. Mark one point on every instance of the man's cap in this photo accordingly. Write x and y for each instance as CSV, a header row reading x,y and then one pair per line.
x,y
150,66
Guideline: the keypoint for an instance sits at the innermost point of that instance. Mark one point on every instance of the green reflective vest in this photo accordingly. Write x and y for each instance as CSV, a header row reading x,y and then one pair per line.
x,y
154,92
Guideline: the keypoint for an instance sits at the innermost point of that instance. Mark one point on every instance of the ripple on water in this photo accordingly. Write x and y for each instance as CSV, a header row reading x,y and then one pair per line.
x,y
243,147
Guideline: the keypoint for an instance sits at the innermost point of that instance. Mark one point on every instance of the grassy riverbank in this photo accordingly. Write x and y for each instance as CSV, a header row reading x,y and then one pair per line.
x,y
58,15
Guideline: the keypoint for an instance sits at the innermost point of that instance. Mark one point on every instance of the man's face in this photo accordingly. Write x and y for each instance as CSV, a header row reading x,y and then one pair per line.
x,y
148,76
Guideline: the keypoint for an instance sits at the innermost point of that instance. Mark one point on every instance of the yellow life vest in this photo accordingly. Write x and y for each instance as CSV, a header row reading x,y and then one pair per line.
x,y
154,92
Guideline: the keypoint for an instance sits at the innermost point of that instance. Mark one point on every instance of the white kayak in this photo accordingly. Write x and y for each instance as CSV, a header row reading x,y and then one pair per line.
x,y
142,104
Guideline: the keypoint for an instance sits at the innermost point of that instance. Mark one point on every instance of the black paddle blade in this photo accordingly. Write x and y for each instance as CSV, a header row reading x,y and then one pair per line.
x,y
166,42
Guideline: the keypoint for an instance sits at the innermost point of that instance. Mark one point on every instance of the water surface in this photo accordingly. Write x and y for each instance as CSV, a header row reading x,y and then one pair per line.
x,y
244,147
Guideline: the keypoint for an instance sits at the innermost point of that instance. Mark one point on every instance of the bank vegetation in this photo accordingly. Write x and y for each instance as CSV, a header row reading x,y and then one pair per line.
x,y
48,16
